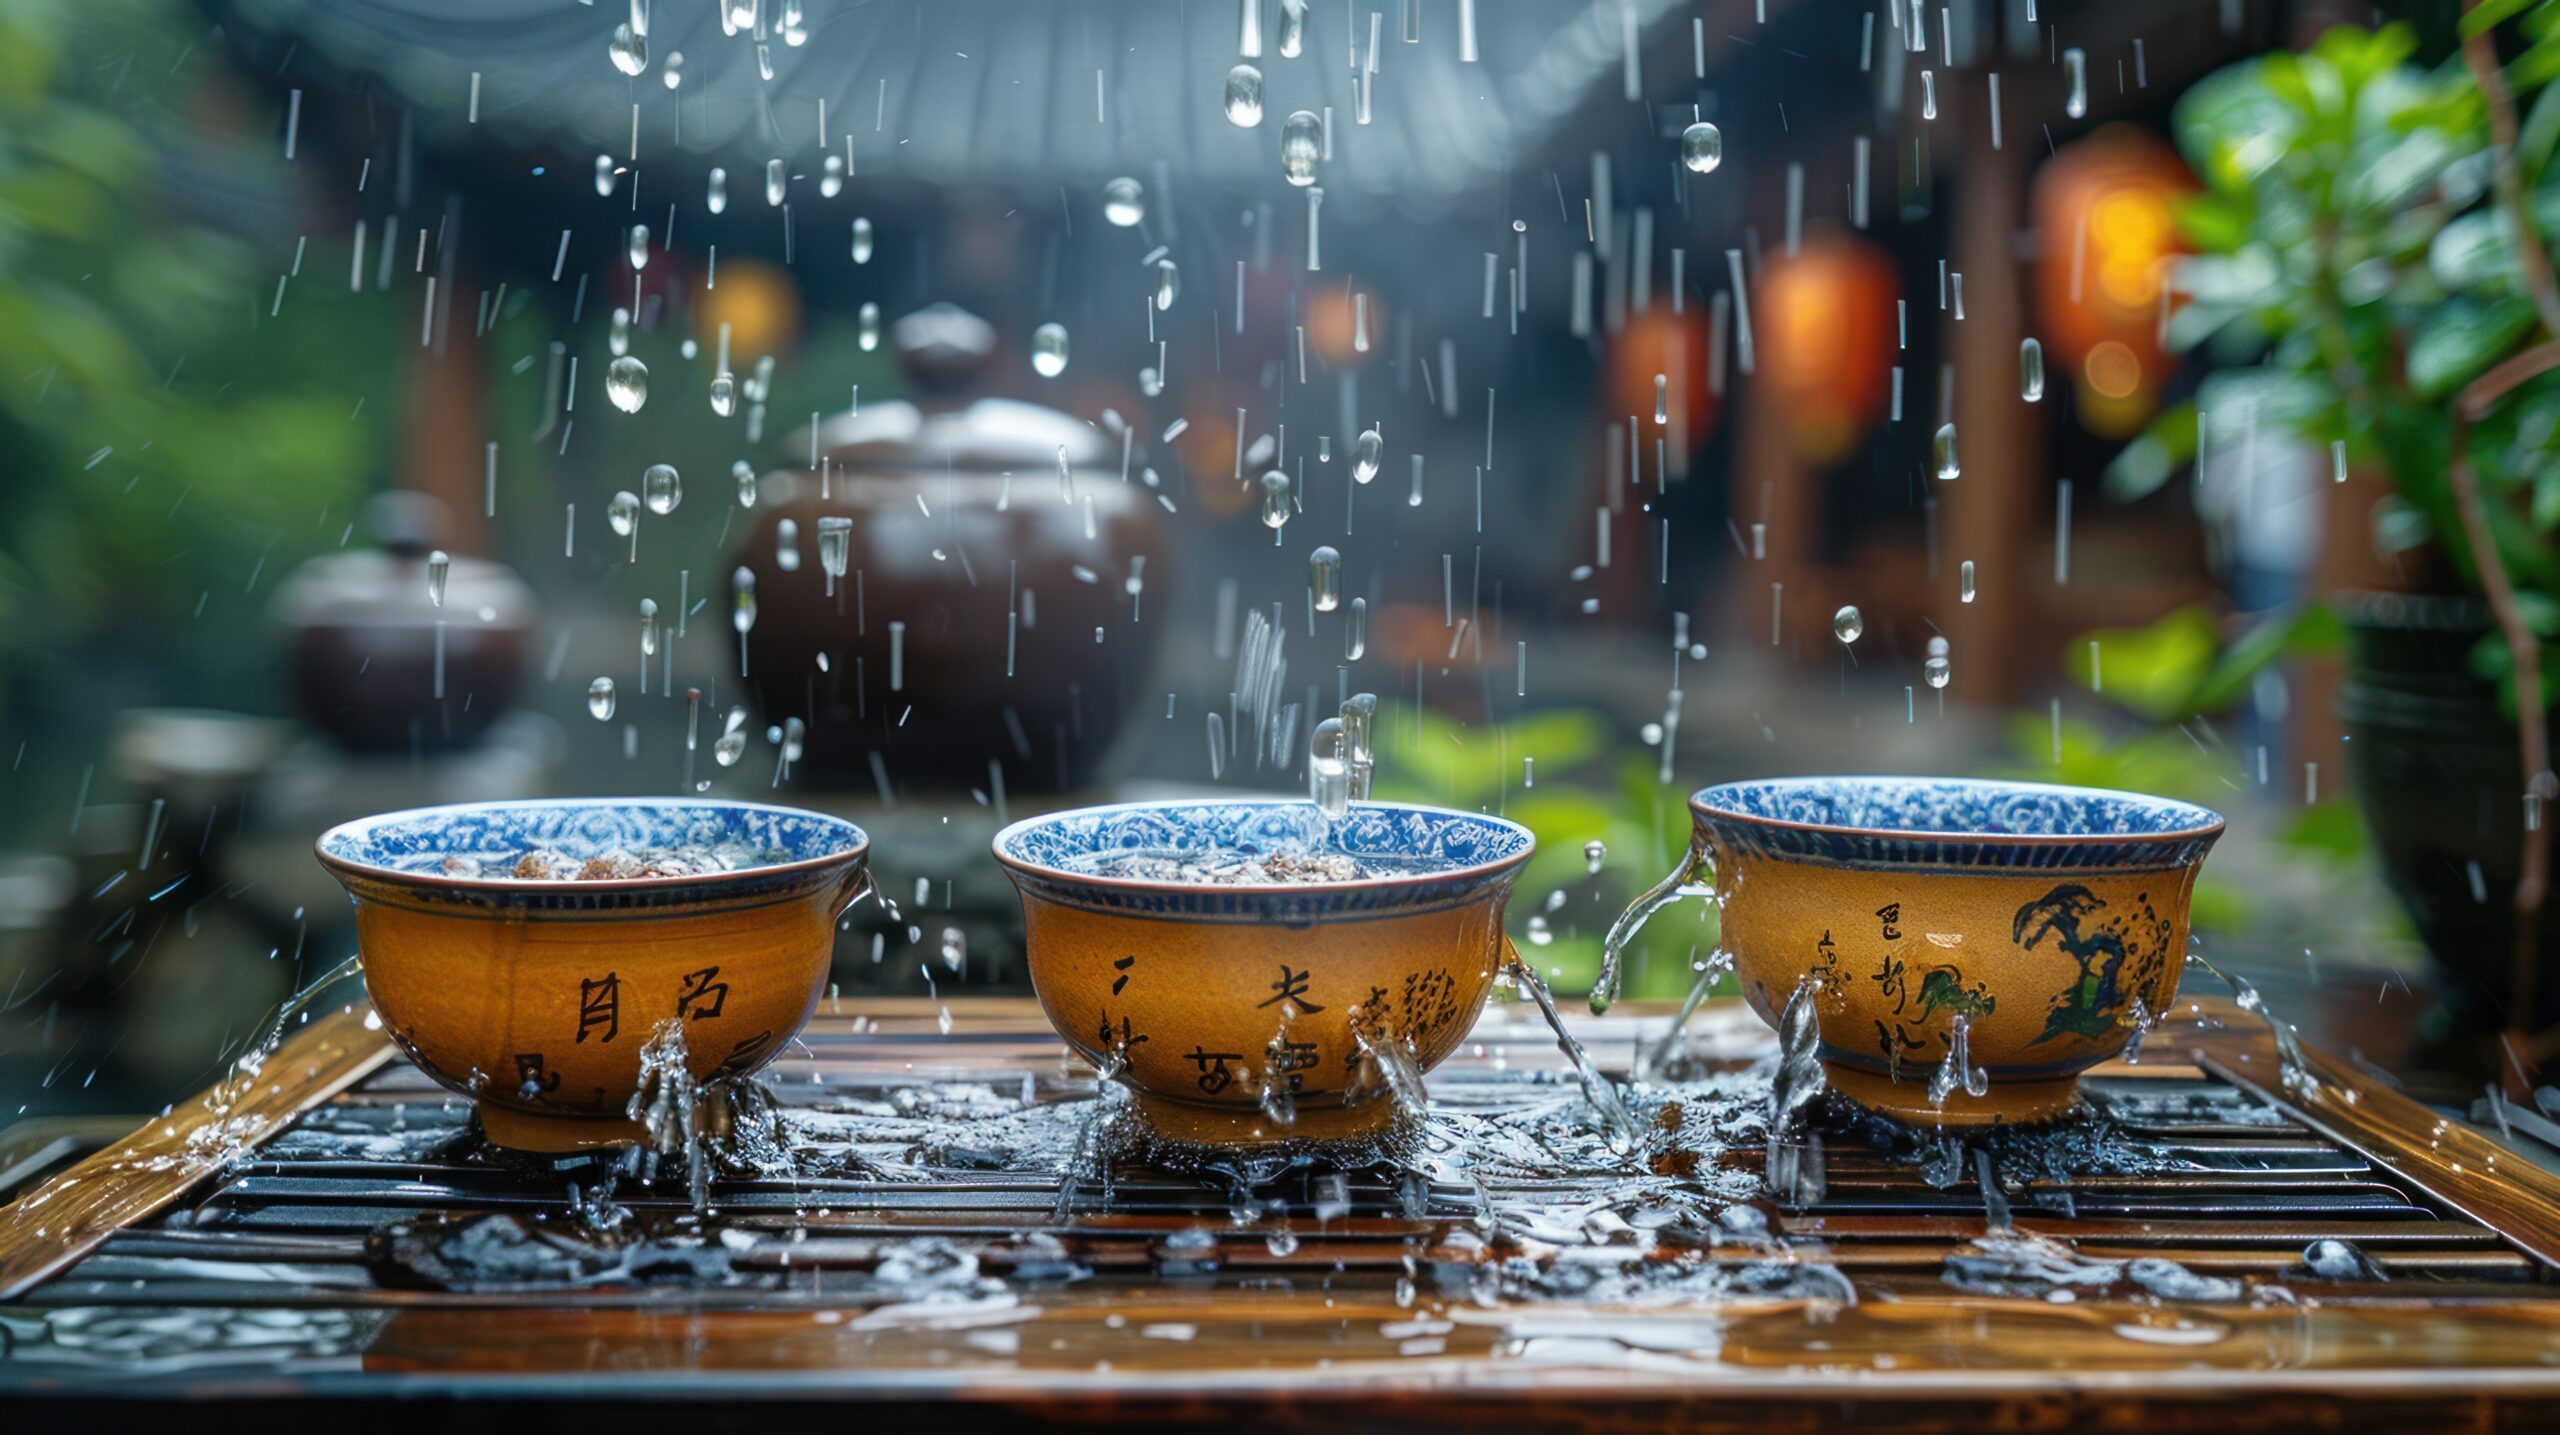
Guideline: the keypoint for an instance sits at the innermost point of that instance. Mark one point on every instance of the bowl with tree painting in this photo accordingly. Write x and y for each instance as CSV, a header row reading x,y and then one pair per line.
x,y
1256,975
2008,934
521,953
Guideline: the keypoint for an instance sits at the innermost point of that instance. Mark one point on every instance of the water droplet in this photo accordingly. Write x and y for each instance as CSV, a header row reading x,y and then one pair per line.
x,y
1594,853
1293,28
1168,283
626,382
764,63
786,546
1935,671
1355,637
2030,370
605,174
673,71
1324,577
600,699
777,182
623,513
1848,625
1329,769
2075,78
1244,97
724,393
835,544
1049,350
831,177
745,473
1702,147
738,15
862,241
648,627
1124,202
867,327
639,246
439,568
630,50
1301,145
1275,499
1943,448
1540,931
617,334
1928,94
1964,581
661,488
718,198
742,613
1367,453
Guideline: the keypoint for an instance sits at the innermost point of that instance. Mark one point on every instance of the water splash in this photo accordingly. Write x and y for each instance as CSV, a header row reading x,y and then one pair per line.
x,y
2293,1068
1684,880
1958,1068
1664,1053
1795,1169
1618,1128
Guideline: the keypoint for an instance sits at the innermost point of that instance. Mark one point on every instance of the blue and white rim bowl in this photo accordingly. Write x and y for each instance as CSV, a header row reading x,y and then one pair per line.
x,y
368,854
1481,853
1953,824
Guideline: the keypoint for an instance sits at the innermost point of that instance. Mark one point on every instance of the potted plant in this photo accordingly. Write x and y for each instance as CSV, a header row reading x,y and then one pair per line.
x,y
2372,272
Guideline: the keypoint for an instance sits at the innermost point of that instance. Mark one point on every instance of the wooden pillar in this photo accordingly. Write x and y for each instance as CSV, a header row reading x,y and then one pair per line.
x,y
445,443
1995,512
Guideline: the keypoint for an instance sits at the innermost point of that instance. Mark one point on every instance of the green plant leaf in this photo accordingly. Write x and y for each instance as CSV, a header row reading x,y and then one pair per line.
x,y
2153,672
2463,337
2488,15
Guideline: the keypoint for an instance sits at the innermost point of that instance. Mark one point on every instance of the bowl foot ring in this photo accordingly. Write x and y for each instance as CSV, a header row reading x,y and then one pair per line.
x,y
524,1131
2007,1103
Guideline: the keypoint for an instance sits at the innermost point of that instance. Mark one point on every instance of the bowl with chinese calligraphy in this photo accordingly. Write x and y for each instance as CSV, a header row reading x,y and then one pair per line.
x,y
522,953
1255,974
1970,947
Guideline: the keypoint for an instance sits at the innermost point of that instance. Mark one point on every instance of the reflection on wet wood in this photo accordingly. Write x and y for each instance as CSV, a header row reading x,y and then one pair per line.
x,y
63,1219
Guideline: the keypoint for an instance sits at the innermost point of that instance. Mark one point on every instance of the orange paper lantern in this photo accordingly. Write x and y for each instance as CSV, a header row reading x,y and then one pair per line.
x,y
1823,325
2104,210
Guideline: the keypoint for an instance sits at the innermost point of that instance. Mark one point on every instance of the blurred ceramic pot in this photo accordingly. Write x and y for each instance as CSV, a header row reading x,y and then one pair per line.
x,y
973,610
377,663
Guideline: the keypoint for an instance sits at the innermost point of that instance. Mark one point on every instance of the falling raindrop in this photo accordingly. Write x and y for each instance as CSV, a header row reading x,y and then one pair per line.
x,y
1124,202
1355,638
745,473
742,612
673,71
639,246
732,742
1293,28
867,327
2075,78
1275,499
1244,97
1594,853
1168,283
626,382
1702,147
862,241
648,627
606,174
1964,582
786,546
777,182
1367,453
1324,577
1049,350
630,50
1301,145
831,177
718,199
439,568
724,393
1329,769
764,63
1935,670
617,335
2030,370
1943,449
1848,625
1928,94
661,488
835,544
623,513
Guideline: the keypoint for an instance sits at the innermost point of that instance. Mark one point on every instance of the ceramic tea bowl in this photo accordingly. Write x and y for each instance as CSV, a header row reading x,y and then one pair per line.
x,y
2048,920
1220,1005
534,997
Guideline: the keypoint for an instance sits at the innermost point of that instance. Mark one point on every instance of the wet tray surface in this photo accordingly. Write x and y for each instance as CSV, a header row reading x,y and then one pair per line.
x,y
2181,1253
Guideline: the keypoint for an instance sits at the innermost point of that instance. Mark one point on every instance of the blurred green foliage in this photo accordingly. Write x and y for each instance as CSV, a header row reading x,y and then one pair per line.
x,y
1585,788
2355,272
171,445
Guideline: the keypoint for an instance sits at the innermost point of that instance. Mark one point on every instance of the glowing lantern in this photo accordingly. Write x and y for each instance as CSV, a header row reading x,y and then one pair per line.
x,y
1660,349
759,302
1823,326
2104,209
